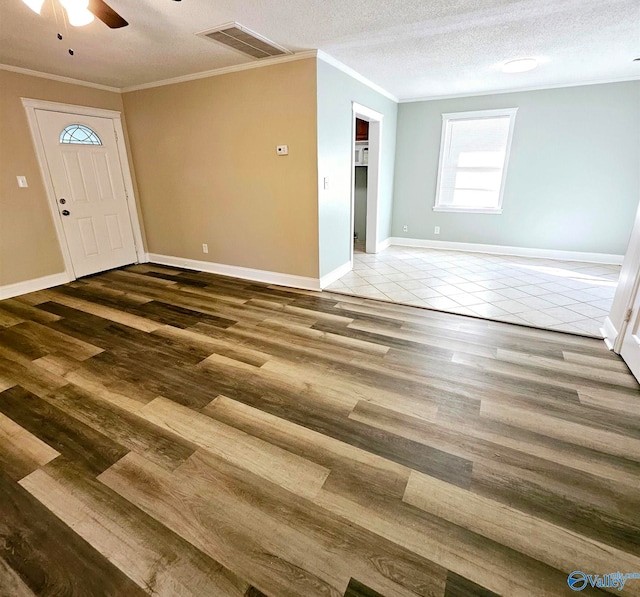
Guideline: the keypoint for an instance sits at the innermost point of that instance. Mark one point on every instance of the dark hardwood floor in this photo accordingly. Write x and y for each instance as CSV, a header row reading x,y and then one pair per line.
x,y
178,433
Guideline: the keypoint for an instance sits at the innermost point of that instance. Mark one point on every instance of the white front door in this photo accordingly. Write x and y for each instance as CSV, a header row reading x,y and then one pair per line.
x,y
630,350
84,166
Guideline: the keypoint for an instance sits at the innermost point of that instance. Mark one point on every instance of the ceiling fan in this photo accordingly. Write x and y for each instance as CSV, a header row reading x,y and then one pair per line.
x,y
82,12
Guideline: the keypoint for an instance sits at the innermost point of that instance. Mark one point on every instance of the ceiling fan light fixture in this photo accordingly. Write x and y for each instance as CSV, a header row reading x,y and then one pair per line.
x,y
78,12
520,65
34,5
79,18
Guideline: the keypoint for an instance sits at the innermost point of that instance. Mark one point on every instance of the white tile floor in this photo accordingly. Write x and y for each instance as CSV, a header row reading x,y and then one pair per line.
x,y
563,295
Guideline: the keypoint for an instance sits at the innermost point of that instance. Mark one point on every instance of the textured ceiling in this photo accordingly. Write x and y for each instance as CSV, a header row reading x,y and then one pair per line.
x,y
413,48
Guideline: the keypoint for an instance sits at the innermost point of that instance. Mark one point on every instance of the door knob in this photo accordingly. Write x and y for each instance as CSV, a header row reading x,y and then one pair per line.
x,y
63,201
65,212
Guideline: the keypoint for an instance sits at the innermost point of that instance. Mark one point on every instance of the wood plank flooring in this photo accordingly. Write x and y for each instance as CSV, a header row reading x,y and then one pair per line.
x,y
166,432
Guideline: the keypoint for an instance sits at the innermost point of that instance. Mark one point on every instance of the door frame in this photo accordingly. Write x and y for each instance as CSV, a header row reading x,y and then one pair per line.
x,y
616,345
30,106
373,175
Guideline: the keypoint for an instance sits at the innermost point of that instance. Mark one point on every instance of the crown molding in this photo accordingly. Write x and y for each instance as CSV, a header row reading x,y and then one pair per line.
x,y
210,73
192,77
354,74
433,98
320,55
59,78
224,70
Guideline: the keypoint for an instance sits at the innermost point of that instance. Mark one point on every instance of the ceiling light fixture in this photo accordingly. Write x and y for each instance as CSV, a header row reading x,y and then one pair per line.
x,y
521,65
79,18
34,5
78,12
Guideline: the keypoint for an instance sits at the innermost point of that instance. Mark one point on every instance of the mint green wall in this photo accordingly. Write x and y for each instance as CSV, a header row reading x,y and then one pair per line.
x,y
336,92
573,182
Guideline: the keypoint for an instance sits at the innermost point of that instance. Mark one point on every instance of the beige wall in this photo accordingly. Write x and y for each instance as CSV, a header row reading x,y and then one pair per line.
x,y
204,153
28,243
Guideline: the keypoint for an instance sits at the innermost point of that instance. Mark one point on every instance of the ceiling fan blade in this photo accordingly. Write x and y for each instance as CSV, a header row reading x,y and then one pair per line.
x,y
106,14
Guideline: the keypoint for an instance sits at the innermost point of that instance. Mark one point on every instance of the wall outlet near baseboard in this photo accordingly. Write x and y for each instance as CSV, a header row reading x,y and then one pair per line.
x,y
405,228
205,248
436,230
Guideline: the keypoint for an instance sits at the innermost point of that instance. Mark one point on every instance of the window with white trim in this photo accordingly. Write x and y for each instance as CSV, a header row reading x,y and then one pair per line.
x,y
474,156
79,134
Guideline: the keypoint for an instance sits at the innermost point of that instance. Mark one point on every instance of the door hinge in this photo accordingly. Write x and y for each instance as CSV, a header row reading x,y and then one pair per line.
x,y
628,314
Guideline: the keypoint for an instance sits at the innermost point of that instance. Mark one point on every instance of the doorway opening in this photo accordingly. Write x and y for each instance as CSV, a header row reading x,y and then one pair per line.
x,y
366,147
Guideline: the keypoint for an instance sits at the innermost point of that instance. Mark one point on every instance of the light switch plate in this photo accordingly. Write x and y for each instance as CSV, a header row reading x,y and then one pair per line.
x,y
22,181
282,149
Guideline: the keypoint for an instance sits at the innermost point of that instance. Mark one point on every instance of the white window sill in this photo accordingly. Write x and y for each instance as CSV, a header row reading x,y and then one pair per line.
x,y
469,210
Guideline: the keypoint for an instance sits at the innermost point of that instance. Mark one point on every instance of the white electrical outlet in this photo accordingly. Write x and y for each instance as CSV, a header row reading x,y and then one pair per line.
x,y
22,181
205,248
436,230
325,182
282,149
405,229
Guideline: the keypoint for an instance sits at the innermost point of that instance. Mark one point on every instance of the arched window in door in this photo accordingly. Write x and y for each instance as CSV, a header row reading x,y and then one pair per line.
x,y
79,134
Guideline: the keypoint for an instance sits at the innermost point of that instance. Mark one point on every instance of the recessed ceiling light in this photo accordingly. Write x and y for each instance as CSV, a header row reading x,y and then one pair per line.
x,y
521,65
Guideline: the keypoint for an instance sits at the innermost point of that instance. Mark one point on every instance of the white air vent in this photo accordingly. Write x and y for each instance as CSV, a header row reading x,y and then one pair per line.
x,y
244,40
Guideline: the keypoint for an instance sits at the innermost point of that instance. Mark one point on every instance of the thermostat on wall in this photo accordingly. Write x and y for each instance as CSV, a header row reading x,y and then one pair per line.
x,y
282,149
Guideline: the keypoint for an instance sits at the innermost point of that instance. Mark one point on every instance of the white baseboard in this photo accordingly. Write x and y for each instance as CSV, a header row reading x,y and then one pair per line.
x,y
384,244
336,274
234,271
605,258
19,288
609,333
